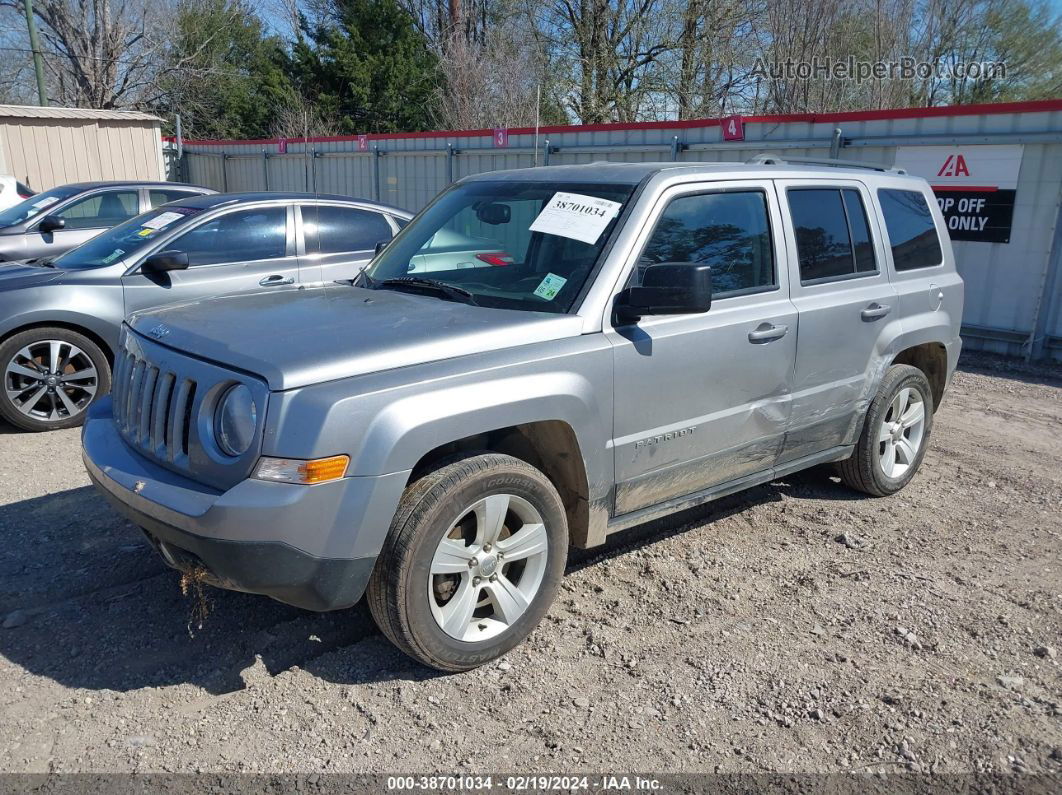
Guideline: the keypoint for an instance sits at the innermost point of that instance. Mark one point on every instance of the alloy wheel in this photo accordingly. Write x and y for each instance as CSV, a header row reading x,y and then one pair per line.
x,y
51,380
901,433
488,568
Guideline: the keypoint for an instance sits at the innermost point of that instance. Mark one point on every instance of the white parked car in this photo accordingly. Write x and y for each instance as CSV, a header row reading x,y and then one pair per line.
x,y
450,250
12,192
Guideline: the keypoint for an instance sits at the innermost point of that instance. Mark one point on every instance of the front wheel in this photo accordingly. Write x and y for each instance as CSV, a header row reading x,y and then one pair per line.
x,y
895,434
472,562
50,377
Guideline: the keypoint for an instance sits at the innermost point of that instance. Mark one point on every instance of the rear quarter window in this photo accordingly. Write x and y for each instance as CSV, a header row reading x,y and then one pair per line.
x,y
912,233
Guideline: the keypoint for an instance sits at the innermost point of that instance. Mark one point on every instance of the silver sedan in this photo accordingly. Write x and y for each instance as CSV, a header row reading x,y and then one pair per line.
x,y
59,319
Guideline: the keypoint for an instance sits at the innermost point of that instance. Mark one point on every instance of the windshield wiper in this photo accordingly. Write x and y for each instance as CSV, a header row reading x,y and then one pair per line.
x,y
42,262
418,283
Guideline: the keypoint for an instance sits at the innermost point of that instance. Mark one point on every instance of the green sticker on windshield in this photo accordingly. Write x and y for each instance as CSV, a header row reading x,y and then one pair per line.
x,y
550,286
113,256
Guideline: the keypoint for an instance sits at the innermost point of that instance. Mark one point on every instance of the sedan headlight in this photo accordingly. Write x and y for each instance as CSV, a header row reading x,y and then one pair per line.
x,y
236,420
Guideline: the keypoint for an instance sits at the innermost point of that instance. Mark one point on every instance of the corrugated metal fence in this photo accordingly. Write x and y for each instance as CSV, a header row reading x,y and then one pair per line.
x,y
1012,297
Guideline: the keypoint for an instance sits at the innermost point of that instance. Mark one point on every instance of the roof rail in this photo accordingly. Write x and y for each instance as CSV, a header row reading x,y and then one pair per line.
x,y
778,160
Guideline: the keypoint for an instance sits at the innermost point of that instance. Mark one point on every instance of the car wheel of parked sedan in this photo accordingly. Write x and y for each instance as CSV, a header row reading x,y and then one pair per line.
x,y
895,434
472,562
51,375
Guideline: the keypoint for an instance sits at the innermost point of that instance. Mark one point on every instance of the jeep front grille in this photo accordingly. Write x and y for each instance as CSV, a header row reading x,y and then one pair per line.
x,y
153,408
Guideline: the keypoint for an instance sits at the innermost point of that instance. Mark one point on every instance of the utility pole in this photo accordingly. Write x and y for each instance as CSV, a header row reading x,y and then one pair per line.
x,y
38,61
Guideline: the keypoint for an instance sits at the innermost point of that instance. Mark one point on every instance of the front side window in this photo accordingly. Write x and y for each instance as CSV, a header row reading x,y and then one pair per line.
x,y
832,233
333,230
35,205
240,236
912,233
504,243
101,210
729,231
127,239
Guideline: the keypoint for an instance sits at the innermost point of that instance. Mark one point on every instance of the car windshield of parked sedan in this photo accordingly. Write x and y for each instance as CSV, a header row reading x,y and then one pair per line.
x,y
508,244
36,205
125,239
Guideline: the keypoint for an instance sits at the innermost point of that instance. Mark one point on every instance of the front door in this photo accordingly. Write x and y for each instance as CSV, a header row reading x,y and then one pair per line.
x,y
240,251
703,399
84,218
845,302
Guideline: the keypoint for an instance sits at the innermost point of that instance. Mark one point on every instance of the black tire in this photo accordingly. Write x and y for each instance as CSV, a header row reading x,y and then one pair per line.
x,y
81,398
863,470
398,591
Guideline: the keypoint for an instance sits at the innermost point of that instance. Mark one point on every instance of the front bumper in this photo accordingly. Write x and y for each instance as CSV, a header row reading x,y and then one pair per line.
x,y
310,546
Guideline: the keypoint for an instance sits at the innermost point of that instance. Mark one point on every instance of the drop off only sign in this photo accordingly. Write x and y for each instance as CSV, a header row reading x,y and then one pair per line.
x,y
974,186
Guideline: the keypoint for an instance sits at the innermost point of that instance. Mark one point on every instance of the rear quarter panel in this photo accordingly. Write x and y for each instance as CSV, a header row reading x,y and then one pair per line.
x,y
930,299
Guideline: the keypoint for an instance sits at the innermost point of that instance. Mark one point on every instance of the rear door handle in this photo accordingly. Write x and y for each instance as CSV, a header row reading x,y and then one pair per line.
x,y
766,332
276,280
875,311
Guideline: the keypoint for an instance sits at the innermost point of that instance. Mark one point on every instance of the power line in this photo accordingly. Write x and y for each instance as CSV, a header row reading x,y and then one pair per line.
x,y
124,61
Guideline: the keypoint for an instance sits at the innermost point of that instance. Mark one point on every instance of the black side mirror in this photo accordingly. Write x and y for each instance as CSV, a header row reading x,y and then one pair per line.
x,y
670,288
494,214
165,261
51,223
381,245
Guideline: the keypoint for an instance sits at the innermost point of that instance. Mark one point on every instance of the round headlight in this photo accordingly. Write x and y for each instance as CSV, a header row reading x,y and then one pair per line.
x,y
236,420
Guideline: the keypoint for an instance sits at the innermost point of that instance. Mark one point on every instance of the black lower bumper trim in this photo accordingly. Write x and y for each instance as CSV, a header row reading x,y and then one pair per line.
x,y
262,567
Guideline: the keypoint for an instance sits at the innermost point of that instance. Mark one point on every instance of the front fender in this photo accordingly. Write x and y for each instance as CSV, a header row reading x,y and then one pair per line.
x,y
387,421
95,311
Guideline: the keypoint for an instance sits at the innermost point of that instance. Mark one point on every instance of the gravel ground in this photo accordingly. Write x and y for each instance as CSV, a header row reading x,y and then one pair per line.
x,y
795,627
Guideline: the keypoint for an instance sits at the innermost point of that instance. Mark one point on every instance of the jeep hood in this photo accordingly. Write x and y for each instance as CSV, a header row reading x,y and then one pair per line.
x,y
294,338
15,275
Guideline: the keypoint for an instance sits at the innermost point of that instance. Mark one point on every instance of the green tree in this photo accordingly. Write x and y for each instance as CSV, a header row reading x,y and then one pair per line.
x,y
226,77
369,66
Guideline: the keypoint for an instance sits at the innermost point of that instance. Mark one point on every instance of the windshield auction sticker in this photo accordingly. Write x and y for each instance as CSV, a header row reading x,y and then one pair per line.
x,y
550,286
45,202
159,221
575,216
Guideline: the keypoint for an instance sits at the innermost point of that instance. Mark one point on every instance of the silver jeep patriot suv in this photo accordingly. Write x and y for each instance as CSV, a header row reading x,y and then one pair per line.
x,y
642,338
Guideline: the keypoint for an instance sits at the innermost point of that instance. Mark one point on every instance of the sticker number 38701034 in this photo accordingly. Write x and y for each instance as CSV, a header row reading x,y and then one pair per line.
x,y
575,216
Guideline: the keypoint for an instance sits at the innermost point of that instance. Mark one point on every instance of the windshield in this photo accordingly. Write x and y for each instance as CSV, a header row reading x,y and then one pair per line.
x,y
512,244
36,205
125,239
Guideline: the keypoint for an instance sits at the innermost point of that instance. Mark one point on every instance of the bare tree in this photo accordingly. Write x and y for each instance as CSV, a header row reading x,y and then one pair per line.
x,y
103,53
494,82
299,119
607,48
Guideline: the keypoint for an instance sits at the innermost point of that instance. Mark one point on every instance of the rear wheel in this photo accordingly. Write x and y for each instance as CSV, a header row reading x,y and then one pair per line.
x,y
472,563
50,378
895,434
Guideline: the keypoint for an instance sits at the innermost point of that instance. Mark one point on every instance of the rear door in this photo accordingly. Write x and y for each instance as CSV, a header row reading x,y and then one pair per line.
x,y
703,399
241,250
84,217
337,240
846,303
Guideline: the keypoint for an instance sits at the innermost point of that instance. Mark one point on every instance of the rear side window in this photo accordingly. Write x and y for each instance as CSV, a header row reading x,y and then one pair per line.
x,y
729,231
912,233
832,233
334,230
157,198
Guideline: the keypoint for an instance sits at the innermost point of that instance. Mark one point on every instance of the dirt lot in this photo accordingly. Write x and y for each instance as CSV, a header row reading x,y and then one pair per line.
x,y
796,627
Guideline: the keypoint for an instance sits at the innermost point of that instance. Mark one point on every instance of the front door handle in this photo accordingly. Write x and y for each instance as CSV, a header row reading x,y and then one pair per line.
x,y
875,311
276,280
766,332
